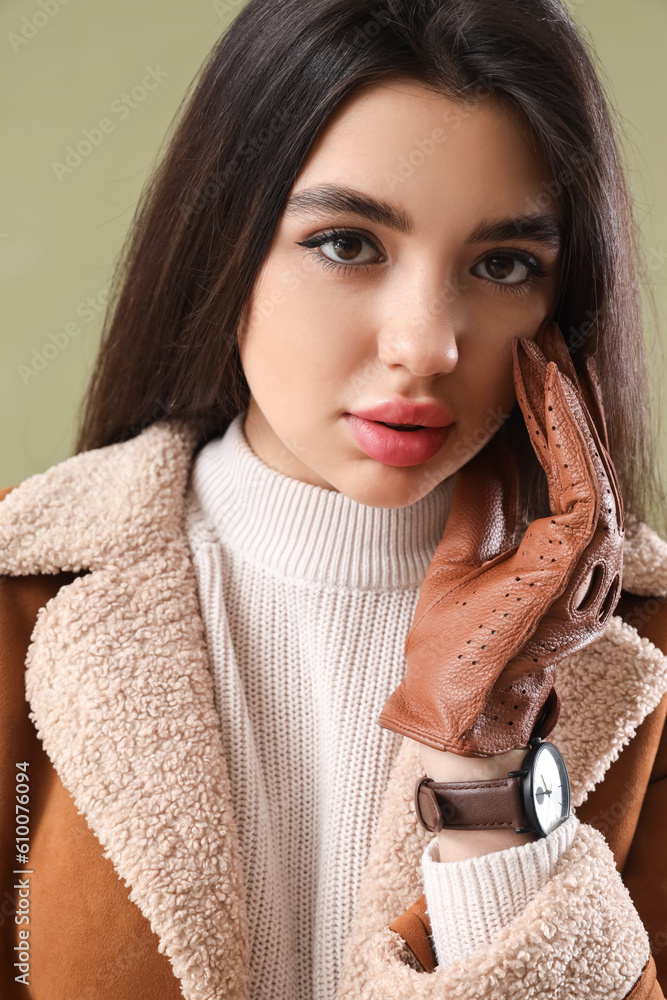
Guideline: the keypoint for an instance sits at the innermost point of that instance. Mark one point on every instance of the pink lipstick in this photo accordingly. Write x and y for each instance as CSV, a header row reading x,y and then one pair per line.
x,y
402,445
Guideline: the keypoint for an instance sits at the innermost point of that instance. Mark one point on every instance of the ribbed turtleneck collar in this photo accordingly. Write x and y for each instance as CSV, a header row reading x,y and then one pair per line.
x,y
309,532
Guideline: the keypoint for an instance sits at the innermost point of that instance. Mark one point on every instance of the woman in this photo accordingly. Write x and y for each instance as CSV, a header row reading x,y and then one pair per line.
x,y
365,217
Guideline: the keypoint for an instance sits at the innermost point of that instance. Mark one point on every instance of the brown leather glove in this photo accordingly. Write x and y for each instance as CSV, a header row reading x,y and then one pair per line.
x,y
493,620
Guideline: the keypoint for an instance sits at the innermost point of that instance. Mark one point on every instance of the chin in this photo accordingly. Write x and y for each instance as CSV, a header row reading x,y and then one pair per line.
x,y
389,495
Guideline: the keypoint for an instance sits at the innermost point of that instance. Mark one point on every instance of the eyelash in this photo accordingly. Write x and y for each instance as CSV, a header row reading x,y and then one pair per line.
x,y
536,270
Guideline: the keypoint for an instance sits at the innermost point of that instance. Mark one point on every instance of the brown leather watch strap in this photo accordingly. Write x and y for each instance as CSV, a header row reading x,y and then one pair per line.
x,y
470,805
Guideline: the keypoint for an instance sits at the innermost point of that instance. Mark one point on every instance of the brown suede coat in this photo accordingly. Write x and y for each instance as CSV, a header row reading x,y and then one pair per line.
x,y
90,937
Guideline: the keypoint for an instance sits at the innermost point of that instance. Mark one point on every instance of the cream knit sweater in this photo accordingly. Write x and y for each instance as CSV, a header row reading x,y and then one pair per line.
x,y
307,597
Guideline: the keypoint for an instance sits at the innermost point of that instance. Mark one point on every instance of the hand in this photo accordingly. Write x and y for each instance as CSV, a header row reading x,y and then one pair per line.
x,y
493,620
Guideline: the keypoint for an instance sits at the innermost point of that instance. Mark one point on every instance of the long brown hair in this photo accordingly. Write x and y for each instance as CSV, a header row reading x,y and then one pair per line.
x,y
207,216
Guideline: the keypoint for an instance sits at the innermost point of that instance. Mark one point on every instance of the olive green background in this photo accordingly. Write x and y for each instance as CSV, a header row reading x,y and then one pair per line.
x,y
66,67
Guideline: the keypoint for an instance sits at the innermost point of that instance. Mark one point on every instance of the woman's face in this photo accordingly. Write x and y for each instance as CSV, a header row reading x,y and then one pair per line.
x,y
409,256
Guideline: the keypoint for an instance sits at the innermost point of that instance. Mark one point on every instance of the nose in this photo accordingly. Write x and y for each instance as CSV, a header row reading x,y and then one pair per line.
x,y
421,338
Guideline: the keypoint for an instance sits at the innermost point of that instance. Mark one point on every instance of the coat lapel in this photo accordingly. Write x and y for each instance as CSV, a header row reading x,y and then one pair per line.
x,y
608,688
121,694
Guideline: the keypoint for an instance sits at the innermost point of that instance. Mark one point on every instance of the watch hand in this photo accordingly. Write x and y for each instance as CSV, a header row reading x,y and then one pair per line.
x,y
544,790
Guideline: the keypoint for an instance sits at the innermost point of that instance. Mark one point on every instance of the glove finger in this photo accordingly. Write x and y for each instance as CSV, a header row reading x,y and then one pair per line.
x,y
567,451
583,532
531,364
560,431
529,374
551,344
592,392
529,369
605,473
547,346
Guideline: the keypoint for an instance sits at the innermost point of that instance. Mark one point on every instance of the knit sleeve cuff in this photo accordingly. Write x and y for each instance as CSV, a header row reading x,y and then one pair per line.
x,y
469,902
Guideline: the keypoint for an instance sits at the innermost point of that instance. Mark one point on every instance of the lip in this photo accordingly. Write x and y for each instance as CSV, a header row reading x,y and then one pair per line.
x,y
405,411
392,447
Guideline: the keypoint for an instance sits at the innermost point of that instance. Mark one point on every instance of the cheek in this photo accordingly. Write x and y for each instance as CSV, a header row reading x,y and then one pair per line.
x,y
504,382
273,338
292,352
490,385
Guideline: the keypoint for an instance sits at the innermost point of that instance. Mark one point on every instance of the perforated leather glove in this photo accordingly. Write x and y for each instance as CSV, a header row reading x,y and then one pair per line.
x,y
494,619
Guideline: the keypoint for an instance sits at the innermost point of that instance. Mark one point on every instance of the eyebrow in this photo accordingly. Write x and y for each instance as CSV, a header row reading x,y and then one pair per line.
x,y
544,229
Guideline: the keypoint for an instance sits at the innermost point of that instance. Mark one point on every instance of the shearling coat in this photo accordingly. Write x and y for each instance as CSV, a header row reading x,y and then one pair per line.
x,y
133,886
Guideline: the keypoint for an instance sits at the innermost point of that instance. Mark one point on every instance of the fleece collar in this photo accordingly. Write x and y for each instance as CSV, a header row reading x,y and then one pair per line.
x,y
121,692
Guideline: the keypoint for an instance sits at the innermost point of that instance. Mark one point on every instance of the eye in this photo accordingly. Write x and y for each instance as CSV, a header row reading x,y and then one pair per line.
x,y
509,268
344,249
505,269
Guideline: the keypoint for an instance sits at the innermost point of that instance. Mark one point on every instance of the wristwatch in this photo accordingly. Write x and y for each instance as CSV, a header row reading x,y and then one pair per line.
x,y
535,799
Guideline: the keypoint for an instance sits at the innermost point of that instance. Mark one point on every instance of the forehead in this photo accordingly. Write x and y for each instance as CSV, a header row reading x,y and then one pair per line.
x,y
430,154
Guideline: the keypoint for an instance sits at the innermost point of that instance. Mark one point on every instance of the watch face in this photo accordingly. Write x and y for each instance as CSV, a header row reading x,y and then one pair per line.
x,y
549,788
